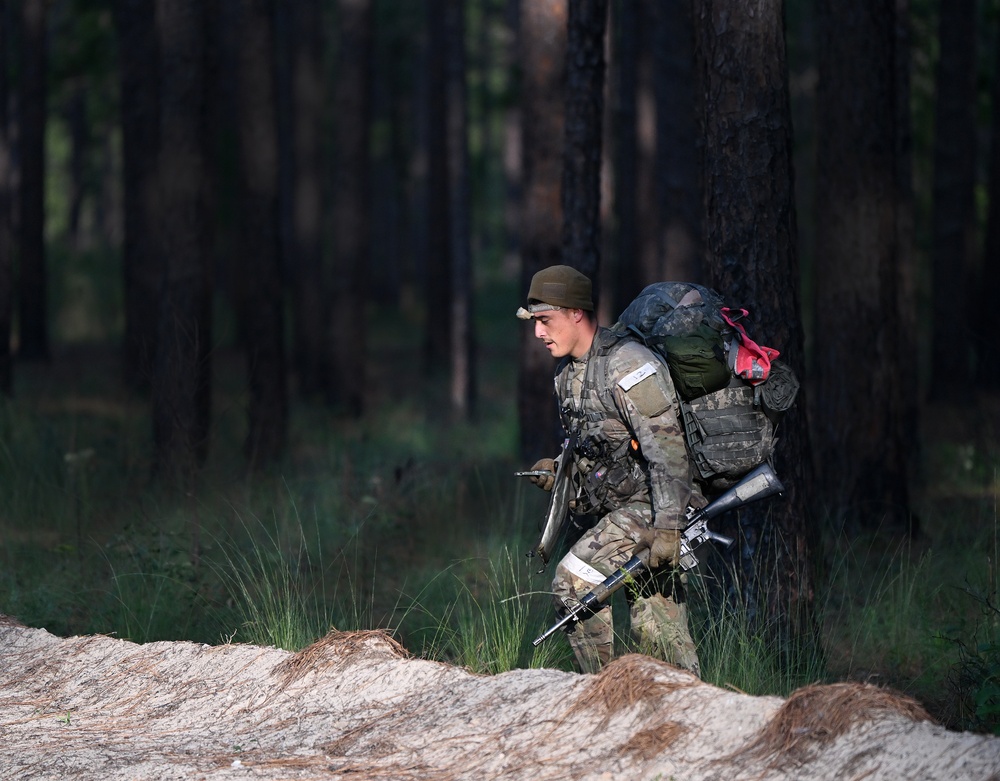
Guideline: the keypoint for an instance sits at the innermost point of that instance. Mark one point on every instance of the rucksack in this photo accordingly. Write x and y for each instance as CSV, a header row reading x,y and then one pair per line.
x,y
732,391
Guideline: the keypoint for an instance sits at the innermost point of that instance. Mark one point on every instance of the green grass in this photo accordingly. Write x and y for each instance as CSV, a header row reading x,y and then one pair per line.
x,y
404,523
478,615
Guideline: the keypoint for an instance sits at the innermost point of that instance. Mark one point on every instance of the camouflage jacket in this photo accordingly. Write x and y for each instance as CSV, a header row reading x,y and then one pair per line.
x,y
621,402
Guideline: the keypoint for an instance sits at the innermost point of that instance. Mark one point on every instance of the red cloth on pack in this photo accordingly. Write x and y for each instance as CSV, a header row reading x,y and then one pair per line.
x,y
753,361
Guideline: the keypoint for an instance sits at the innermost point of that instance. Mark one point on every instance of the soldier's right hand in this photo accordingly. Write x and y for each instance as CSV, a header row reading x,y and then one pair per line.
x,y
545,482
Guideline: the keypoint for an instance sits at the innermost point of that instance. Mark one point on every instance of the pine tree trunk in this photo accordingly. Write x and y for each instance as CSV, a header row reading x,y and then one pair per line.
x,y
859,415
988,367
750,237
181,400
621,277
305,191
437,278
32,273
581,177
513,152
263,312
142,264
543,58
351,211
6,222
463,375
649,261
677,175
953,221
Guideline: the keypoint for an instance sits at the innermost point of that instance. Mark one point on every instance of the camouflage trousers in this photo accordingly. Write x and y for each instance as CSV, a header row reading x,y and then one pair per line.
x,y
658,615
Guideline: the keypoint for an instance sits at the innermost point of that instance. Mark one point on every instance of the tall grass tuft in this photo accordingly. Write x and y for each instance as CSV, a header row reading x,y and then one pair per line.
x,y
737,649
480,618
279,594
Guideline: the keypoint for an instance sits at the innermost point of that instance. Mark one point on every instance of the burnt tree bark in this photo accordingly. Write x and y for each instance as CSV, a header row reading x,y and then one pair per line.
x,y
750,238
581,177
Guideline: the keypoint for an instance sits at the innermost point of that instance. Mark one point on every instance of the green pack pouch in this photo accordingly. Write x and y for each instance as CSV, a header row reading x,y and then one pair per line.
x,y
697,362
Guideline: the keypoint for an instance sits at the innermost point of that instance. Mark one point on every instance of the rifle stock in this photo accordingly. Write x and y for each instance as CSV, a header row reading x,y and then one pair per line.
x,y
758,484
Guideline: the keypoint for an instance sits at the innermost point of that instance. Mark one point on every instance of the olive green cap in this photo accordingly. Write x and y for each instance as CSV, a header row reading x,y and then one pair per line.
x,y
558,287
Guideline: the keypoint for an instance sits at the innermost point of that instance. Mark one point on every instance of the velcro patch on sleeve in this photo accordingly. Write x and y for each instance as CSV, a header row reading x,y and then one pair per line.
x,y
630,380
649,396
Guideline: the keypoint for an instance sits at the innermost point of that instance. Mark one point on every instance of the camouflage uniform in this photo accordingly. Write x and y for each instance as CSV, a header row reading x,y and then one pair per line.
x,y
632,471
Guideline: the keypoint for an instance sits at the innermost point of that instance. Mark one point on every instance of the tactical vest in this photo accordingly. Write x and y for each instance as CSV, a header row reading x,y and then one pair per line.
x,y
610,472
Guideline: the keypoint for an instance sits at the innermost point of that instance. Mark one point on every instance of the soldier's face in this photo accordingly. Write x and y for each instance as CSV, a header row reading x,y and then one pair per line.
x,y
561,332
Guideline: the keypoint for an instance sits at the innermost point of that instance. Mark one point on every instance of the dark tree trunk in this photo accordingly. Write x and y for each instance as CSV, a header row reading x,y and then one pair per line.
x,y
6,223
32,276
859,415
263,306
621,278
419,196
463,375
305,205
677,176
394,59
351,210
513,156
142,263
988,367
953,222
181,400
750,237
75,116
908,425
437,280
581,177
648,261
543,58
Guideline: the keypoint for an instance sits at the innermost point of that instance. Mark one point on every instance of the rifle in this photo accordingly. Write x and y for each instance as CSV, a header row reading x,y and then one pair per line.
x,y
758,484
558,504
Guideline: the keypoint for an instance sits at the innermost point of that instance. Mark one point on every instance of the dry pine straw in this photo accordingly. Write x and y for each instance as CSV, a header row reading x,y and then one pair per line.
x,y
625,682
336,646
814,716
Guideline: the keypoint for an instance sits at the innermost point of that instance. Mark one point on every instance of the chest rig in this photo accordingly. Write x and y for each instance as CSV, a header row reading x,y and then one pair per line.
x,y
610,469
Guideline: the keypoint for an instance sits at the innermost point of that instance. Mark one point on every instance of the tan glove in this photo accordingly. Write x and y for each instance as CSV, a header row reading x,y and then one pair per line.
x,y
545,482
664,547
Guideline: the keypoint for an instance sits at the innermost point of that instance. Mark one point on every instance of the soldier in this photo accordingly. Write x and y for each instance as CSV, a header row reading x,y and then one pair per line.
x,y
629,466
